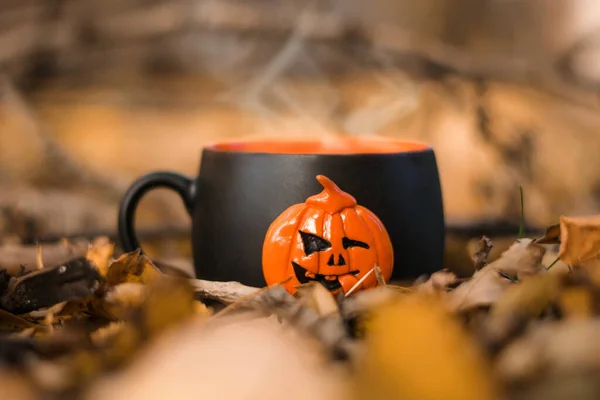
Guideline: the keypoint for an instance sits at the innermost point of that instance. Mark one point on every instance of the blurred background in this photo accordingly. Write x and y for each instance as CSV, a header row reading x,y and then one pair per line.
x,y
94,93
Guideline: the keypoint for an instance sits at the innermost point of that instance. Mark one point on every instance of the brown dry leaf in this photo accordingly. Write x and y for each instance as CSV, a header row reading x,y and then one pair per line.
x,y
100,253
413,338
520,261
580,241
484,288
576,302
552,235
132,267
318,298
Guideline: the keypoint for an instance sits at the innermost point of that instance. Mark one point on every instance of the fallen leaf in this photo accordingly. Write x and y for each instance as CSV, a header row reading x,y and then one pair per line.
x,y
168,301
580,241
100,253
412,338
520,261
519,304
484,288
132,267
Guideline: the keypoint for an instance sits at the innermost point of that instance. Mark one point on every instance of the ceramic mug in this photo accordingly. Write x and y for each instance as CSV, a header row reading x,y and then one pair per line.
x,y
243,187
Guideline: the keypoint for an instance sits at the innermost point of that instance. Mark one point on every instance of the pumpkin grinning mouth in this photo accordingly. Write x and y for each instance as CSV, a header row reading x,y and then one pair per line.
x,y
330,285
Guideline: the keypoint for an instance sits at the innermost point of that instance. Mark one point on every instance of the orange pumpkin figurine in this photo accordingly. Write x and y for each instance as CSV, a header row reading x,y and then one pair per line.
x,y
330,239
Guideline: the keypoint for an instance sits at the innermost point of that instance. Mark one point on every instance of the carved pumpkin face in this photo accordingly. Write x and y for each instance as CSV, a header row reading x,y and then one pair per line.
x,y
330,239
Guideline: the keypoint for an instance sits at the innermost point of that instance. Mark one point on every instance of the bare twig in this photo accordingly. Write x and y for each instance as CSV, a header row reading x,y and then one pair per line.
x,y
225,292
359,282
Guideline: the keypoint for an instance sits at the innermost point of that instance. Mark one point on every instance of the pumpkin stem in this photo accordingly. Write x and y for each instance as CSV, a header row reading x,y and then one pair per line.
x,y
332,199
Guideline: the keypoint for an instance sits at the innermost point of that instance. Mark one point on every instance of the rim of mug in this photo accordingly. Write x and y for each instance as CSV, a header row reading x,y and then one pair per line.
x,y
355,145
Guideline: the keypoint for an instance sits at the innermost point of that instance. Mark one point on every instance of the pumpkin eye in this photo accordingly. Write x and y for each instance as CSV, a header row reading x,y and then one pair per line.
x,y
347,243
313,243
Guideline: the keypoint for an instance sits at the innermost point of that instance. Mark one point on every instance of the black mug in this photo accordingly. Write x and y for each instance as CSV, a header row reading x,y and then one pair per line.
x,y
242,187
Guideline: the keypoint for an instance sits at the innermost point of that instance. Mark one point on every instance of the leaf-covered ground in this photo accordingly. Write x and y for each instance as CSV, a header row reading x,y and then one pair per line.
x,y
102,326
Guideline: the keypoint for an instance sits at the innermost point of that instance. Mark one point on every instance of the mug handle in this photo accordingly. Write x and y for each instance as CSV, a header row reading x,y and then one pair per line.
x,y
179,183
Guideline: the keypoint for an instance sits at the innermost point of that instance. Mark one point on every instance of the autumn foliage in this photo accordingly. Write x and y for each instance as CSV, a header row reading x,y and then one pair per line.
x,y
104,326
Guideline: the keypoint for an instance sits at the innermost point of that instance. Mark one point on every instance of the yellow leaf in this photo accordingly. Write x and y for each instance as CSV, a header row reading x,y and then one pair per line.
x,y
99,253
414,349
168,301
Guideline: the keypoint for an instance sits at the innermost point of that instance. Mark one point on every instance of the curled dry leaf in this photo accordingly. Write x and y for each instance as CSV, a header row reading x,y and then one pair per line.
x,y
580,241
552,235
132,267
412,338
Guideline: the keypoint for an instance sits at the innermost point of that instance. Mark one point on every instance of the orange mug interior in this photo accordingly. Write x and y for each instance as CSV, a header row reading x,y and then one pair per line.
x,y
345,145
